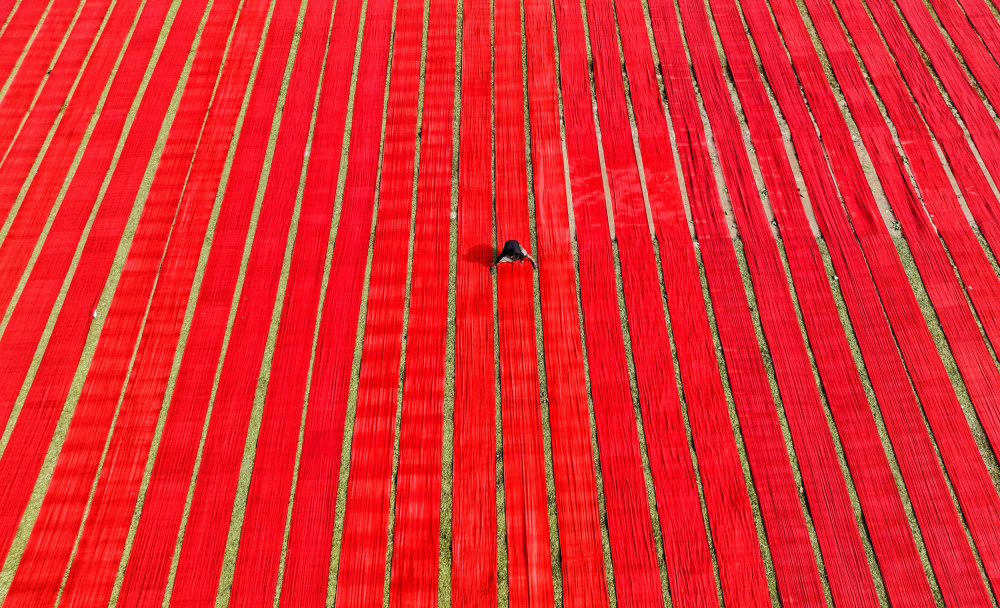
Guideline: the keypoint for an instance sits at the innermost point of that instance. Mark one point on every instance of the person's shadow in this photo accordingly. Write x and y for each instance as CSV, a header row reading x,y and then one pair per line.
x,y
479,254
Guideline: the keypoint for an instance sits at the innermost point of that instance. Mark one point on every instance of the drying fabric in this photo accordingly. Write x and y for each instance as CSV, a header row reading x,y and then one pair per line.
x,y
51,542
976,494
319,194
795,567
940,526
840,542
965,167
20,27
311,540
630,538
686,551
27,80
414,575
92,572
892,540
361,573
212,503
529,557
474,526
25,451
20,153
41,194
982,19
975,56
152,551
256,573
946,218
983,130
577,511
741,569
5,9
45,280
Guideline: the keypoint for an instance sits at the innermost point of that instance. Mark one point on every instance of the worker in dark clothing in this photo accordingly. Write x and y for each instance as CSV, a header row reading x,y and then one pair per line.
x,y
513,252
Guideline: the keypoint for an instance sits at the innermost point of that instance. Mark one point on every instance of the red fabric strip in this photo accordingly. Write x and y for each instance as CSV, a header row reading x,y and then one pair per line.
x,y
940,526
577,511
977,496
93,571
20,153
25,451
5,9
795,568
256,575
629,527
20,27
311,539
850,580
47,554
35,66
983,130
529,557
204,543
153,547
970,178
414,577
51,175
320,193
972,50
474,526
686,551
741,569
893,543
982,19
948,219
361,574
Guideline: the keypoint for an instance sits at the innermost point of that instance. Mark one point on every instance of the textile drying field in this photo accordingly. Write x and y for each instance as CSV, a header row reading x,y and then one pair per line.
x,y
253,351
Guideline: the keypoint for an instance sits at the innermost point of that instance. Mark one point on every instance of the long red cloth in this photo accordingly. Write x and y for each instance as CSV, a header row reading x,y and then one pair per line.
x,y
361,573
25,451
256,572
940,526
577,507
969,176
686,551
630,537
51,542
27,80
949,70
19,29
474,526
741,569
21,146
93,570
212,504
415,549
985,73
319,194
946,217
529,557
155,539
40,197
973,486
850,579
311,536
795,567
893,543
985,24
